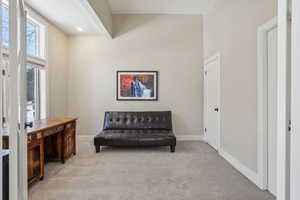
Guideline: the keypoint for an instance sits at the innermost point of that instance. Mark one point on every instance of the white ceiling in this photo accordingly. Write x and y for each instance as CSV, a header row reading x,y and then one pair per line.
x,y
162,6
71,14
67,15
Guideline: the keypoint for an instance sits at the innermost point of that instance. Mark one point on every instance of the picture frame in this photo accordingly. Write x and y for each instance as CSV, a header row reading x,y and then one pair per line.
x,y
137,85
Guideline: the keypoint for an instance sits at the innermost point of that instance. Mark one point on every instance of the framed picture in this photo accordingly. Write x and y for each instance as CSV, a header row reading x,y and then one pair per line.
x,y
137,85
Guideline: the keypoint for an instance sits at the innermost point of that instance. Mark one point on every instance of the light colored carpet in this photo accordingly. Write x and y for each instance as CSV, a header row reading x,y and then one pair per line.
x,y
194,172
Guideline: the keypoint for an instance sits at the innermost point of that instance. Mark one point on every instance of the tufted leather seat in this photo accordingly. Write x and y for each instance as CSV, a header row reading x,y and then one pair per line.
x,y
136,129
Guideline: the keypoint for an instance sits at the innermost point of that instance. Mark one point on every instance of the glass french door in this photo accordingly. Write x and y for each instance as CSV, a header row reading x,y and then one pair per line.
x,y
22,102
12,101
1,111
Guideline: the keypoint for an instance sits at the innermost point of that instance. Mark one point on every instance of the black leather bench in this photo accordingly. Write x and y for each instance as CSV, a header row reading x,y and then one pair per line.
x,y
136,129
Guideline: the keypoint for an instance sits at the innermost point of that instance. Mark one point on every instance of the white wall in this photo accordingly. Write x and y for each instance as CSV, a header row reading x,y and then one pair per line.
x,y
58,54
231,29
170,44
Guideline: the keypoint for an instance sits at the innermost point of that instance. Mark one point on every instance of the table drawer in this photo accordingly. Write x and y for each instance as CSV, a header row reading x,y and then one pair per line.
x,y
34,137
54,130
70,125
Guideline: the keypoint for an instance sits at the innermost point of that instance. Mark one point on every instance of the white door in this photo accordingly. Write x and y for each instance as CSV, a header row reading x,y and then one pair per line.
x,y
212,101
272,109
16,96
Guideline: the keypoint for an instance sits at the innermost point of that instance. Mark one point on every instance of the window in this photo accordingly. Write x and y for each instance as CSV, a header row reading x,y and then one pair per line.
x,y
33,101
36,75
34,43
33,39
5,21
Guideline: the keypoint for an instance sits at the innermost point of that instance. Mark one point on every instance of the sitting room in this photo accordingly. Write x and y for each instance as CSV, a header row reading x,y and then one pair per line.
x,y
147,99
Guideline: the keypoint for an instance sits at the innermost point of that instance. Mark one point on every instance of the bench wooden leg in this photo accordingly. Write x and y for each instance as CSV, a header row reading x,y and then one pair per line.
x,y
97,148
172,148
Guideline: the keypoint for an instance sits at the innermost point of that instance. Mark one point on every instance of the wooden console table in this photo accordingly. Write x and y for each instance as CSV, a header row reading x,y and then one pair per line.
x,y
48,140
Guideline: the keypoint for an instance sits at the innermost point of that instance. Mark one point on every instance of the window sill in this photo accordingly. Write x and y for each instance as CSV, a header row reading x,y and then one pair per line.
x,y
36,61
30,59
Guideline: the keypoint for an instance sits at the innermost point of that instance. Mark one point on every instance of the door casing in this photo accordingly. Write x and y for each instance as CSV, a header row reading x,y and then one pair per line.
x,y
262,103
216,57
295,106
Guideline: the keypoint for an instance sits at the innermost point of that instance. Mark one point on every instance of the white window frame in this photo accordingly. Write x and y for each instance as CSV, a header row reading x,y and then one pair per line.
x,y
37,92
43,28
41,59
38,37
39,62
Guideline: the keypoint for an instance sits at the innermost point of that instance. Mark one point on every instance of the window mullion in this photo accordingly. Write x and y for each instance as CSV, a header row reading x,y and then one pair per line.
x,y
37,92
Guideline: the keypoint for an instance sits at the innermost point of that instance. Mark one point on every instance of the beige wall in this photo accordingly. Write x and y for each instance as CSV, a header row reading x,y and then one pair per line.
x,y
57,71
171,44
231,29
103,10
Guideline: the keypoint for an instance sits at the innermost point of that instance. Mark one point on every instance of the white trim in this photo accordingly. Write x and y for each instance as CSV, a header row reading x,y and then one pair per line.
x,y
282,159
212,58
47,71
190,137
23,176
34,16
217,57
262,103
13,99
250,174
43,28
86,5
33,60
295,100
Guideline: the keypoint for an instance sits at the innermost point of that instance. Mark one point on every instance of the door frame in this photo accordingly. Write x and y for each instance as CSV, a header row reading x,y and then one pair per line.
x,y
23,177
16,94
283,104
217,57
1,103
13,113
262,102
295,106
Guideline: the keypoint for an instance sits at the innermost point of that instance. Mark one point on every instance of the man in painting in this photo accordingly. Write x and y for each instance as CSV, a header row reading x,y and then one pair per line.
x,y
138,89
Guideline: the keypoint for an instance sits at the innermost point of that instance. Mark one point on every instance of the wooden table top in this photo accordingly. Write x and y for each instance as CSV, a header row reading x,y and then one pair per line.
x,y
43,124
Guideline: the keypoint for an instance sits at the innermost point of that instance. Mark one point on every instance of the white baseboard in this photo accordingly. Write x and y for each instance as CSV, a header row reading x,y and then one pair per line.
x,y
190,137
86,136
250,174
